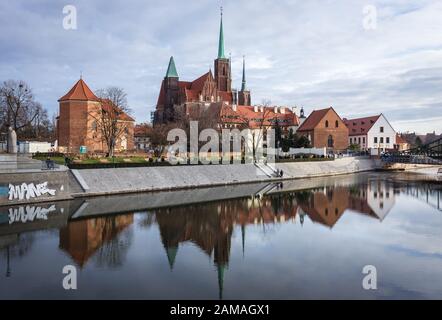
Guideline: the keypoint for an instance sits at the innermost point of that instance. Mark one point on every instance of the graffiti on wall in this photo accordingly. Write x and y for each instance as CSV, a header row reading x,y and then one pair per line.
x,y
29,213
29,191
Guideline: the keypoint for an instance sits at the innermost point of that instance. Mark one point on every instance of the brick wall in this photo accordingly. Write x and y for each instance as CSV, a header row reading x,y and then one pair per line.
x,y
76,128
336,129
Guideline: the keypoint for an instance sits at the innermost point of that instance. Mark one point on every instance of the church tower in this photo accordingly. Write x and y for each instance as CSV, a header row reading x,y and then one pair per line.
x,y
244,95
222,64
172,90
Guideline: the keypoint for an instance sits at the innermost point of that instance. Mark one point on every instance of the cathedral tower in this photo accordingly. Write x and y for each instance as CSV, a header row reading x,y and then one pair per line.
x,y
222,64
172,90
244,95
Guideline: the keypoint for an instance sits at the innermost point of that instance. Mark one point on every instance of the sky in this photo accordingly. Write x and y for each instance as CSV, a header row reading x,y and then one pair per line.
x,y
361,57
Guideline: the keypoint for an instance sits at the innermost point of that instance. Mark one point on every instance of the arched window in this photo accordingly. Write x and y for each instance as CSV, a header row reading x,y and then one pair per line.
x,y
330,141
326,123
337,124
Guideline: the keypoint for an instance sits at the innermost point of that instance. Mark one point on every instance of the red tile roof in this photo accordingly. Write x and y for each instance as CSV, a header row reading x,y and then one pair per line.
x,y
123,116
400,140
142,130
246,115
225,96
198,84
192,89
80,91
360,126
313,119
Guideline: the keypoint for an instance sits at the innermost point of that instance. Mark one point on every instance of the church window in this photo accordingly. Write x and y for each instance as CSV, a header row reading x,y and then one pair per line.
x,y
326,123
336,124
330,141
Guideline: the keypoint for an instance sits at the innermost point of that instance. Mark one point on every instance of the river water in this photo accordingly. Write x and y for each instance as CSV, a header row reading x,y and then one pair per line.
x,y
303,239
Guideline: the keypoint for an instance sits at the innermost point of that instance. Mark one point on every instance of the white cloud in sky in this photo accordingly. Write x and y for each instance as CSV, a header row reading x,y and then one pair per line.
x,y
305,53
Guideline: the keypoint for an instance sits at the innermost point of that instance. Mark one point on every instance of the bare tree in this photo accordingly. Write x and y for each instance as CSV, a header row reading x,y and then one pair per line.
x,y
18,107
109,117
158,137
40,127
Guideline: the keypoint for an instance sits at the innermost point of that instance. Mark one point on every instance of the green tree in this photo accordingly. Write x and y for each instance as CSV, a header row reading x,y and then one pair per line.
x,y
302,142
354,147
418,142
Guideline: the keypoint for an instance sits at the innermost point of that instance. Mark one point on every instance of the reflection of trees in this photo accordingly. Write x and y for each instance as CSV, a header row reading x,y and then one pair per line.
x,y
430,193
17,246
23,245
113,252
147,220
303,196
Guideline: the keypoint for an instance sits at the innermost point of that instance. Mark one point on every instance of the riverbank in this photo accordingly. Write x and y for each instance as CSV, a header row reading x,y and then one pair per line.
x,y
71,184
128,180
34,187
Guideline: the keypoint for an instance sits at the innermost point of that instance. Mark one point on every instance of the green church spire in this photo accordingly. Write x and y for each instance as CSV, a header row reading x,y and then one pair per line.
x,y
171,69
171,255
243,85
221,54
221,268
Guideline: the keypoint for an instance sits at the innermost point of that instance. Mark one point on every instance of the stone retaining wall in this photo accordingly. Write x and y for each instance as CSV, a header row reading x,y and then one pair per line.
x,y
125,180
30,187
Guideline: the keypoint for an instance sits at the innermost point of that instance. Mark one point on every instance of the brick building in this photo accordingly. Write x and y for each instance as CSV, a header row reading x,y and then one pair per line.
x,y
76,125
176,95
325,129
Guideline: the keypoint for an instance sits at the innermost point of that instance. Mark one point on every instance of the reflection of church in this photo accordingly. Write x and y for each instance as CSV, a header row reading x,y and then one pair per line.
x,y
210,226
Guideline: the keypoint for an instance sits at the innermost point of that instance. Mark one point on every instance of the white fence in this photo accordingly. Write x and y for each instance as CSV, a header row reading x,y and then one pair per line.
x,y
34,146
315,151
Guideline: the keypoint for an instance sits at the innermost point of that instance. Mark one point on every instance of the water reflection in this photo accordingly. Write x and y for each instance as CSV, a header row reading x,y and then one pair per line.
x,y
107,239
82,239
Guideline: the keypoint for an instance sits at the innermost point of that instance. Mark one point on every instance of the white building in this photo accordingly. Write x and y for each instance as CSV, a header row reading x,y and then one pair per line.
x,y
34,147
371,133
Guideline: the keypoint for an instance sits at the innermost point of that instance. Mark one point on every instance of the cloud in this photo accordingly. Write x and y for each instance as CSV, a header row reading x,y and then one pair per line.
x,y
305,53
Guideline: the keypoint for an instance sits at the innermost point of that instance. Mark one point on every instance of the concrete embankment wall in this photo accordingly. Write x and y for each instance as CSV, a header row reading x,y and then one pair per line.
x,y
52,185
125,180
